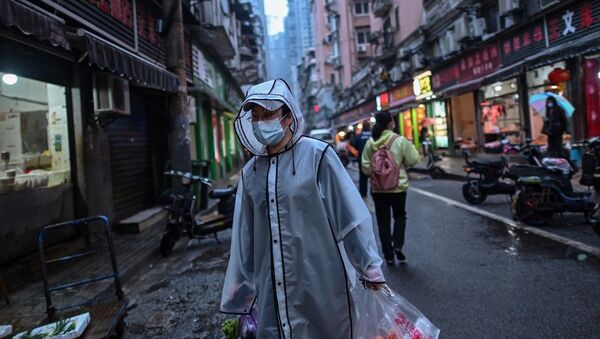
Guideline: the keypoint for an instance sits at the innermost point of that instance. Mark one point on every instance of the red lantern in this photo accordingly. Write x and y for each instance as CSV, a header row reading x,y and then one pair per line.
x,y
559,75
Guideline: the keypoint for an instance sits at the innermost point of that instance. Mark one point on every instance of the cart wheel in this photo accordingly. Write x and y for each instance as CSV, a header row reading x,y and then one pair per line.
x,y
121,326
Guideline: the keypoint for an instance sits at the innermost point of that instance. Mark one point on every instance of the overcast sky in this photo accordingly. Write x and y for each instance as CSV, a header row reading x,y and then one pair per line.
x,y
275,10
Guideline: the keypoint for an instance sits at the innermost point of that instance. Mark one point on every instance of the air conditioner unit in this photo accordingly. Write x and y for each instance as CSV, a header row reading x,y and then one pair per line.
x,y
461,28
362,49
451,43
417,61
111,94
479,27
403,53
508,6
405,66
396,73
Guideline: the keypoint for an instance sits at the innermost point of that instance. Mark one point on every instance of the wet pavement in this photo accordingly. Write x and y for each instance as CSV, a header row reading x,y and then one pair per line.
x,y
471,276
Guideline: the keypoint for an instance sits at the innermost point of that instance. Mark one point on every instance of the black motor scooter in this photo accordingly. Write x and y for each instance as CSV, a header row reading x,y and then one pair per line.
x,y
489,177
182,217
549,191
590,165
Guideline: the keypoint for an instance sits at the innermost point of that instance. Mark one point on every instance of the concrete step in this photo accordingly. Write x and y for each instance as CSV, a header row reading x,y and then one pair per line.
x,y
142,220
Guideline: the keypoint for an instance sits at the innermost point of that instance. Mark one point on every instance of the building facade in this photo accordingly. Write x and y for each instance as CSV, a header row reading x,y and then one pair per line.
x,y
472,66
85,121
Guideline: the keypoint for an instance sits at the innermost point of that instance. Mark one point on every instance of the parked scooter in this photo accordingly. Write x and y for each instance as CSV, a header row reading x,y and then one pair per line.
x,y
434,171
488,177
540,195
591,165
182,216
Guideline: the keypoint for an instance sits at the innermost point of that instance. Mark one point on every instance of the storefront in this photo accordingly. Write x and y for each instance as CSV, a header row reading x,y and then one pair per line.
x,y
538,82
36,129
500,110
591,90
216,100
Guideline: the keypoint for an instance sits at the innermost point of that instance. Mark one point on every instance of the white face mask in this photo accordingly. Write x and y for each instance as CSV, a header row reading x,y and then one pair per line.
x,y
269,133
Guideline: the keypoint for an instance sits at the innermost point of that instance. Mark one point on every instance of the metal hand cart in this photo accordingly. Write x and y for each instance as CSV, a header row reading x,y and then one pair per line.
x,y
107,314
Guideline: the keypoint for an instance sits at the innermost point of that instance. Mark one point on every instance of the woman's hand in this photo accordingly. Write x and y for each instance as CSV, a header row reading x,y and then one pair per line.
x,y
376,286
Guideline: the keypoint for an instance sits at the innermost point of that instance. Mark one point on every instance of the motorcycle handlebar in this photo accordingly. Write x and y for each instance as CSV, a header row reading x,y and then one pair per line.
x,y
194,178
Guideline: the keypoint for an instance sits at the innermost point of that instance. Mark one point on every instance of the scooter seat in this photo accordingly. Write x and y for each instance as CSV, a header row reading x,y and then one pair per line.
x,y
219,193
489,163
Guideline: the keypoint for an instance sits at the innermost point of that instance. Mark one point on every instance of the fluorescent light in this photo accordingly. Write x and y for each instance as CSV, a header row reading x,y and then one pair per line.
x,y
9,79
598,75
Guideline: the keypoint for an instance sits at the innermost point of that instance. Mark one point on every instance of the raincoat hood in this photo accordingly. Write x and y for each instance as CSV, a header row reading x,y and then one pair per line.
x,y
276,90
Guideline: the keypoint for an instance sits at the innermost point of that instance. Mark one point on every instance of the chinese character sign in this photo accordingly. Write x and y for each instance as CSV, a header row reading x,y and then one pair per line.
x,y
575,21
480,63
527,41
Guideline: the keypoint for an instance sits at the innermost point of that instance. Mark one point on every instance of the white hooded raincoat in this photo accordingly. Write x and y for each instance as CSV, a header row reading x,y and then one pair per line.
x,y
300,229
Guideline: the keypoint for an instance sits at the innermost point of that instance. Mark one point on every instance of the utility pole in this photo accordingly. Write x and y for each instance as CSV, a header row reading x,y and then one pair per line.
x,y
179,144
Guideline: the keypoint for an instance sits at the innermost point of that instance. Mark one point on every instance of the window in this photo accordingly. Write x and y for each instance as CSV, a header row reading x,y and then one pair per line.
x,y
332,78
361,8
34,134
362,35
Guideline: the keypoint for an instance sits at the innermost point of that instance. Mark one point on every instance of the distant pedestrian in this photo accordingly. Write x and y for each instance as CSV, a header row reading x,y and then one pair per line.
x,y
393,196
555,125
424,137
300,229
359,142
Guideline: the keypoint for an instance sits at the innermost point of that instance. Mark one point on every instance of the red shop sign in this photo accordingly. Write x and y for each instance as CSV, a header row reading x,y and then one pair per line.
x,y
402,94
445,77
479,63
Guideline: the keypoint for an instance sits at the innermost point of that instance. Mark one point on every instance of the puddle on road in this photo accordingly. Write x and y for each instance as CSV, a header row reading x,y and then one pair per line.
x,y
526,246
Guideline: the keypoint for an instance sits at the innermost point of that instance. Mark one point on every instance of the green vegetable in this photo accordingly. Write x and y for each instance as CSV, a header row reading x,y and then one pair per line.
x,y
62,327
230,328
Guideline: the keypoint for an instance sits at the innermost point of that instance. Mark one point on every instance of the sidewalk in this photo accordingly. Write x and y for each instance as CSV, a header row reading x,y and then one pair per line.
x,y
23,277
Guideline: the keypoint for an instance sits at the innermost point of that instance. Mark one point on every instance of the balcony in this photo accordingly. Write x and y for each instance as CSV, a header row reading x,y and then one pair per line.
x,y
332,6
207,22
381,8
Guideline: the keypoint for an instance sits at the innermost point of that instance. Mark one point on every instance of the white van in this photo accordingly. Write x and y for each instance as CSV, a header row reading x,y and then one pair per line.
x,y
322,134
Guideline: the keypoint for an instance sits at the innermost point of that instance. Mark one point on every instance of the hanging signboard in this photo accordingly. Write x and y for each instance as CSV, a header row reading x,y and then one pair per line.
x,y
523,43
479,63
445,77
422,85
580,19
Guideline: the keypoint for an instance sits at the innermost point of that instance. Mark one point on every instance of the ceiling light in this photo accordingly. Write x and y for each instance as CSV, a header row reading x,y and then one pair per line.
x,y
9,79
598,75
498,88
359,126
434,96
351,128
372,120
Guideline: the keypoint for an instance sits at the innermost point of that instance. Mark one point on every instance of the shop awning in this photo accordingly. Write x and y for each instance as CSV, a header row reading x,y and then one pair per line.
x,y
32,20
111,57
201,88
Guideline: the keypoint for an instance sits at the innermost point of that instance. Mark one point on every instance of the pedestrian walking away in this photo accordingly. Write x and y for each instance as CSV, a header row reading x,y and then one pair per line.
x,y
300,232
393,196
359,142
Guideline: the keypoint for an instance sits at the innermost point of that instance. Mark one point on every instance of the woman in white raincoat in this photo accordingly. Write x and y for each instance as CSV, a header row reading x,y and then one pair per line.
x,y
300,227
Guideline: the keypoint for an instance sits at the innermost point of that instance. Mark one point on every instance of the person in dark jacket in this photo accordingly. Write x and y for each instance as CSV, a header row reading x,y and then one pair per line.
x,y
359,142
555,125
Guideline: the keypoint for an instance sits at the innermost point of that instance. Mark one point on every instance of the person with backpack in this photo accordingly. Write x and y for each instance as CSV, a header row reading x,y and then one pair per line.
x,y
384,158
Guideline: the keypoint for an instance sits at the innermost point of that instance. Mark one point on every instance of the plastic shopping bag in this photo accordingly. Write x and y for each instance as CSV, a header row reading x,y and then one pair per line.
x,y
385,314
248,325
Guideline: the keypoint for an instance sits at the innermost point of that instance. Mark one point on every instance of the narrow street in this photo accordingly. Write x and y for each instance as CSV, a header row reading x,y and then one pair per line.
x,y
468,274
